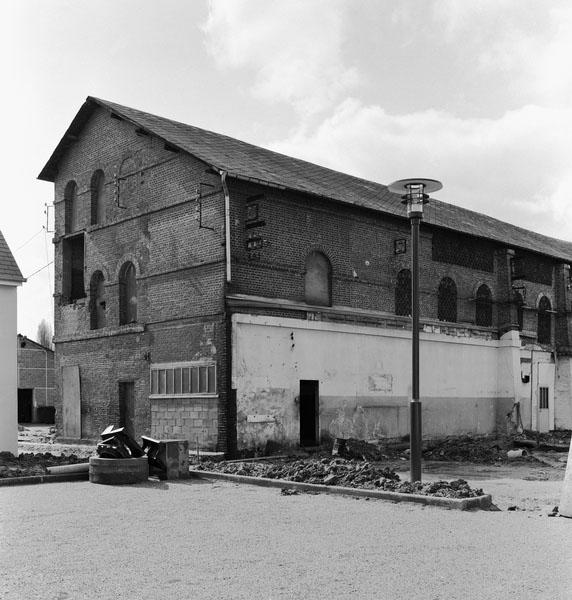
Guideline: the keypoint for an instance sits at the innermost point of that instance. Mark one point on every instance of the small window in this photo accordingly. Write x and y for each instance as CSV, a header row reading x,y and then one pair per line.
x,y
318,280
519,301
127,294
184,379
543,397
71,217
97,198
97,301
403,293
544,325
447,300
484,307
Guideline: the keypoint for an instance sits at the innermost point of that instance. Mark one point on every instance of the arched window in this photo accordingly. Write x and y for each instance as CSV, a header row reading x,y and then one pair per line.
x,y
127,294
70,207
447,300
403,293
97,301
97,197
484,307
519,301
544,330
318,279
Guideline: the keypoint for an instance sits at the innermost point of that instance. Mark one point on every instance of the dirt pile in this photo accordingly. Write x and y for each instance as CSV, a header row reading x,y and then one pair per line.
x,y
467,449
27,465
344,473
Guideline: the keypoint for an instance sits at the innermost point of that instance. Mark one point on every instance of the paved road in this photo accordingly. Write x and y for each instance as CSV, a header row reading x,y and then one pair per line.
x,y
206,540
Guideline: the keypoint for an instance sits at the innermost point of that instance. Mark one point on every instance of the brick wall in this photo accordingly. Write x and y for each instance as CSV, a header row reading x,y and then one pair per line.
x,y
36,371
176,243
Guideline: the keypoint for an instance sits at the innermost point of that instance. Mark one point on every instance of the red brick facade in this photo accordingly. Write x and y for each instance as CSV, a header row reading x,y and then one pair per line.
x,y
164,212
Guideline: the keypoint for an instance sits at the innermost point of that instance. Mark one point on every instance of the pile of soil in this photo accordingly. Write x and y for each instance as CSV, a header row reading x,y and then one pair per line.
x,y
29,464
345,473
467,449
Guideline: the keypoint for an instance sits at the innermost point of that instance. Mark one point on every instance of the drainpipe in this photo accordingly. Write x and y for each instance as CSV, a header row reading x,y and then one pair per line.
x,y
226,224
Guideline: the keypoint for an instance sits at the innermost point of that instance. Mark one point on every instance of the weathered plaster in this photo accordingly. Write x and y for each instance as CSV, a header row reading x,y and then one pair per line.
x,y
365,379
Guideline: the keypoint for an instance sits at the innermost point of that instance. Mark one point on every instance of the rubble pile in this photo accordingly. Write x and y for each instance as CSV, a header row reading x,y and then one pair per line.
x,y
466,449
344,473
27,465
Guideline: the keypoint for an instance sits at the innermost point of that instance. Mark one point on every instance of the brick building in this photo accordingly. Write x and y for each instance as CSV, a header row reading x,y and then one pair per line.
x,y
36,391
216,291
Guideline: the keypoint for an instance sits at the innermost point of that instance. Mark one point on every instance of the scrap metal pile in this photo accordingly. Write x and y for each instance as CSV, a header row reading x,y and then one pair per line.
x,y
344,473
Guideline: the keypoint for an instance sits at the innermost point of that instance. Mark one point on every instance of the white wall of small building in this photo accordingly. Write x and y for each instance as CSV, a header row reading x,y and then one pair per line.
x,y
467,384
8,370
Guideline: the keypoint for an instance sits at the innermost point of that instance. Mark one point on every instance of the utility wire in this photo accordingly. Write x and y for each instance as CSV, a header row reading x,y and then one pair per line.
x,y
40,269
35,235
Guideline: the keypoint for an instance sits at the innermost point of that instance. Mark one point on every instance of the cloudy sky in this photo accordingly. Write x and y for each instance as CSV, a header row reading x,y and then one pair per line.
x,y
476,94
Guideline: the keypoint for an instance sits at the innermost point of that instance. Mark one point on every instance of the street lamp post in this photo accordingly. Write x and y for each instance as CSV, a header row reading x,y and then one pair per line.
x,y
415,193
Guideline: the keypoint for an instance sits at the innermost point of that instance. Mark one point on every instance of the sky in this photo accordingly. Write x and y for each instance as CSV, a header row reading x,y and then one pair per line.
x,y
475,94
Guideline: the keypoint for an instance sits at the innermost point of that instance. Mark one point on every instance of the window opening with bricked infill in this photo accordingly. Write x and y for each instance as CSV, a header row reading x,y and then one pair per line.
x,y
531,267
544,324
543,398
318,279
71,213
403,293
183,379
73,287
519,301
97,188
463,250
97,301
484,307
447,300
127,294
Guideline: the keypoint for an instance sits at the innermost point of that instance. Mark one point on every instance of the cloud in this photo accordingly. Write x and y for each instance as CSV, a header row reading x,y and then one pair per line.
x,y
517,168
529,41
294,48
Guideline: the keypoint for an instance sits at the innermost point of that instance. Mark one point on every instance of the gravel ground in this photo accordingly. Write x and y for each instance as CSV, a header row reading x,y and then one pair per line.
x,y
218,540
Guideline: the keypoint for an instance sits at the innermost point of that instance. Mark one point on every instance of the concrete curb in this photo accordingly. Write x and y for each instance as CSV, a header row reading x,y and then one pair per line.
x,y
33,479
479,502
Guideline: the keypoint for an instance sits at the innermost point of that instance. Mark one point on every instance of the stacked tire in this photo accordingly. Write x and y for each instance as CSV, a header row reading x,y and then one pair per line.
x,y
118,471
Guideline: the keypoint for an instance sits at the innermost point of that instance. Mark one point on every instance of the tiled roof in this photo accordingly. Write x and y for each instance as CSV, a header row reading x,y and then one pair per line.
x,y
9,270
252,163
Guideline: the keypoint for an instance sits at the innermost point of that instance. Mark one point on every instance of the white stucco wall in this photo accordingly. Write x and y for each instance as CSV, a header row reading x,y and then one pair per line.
x,y
364,376
8,370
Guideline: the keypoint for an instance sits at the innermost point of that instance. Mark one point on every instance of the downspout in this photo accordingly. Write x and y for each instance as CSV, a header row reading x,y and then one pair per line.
x,y
230,409
226,224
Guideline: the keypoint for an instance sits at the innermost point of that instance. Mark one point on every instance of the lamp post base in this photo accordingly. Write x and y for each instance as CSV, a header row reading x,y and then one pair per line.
x,y
415,440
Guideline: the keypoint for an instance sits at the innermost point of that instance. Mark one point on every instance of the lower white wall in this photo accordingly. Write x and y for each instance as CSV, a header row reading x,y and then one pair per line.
x,y
8,371
364,376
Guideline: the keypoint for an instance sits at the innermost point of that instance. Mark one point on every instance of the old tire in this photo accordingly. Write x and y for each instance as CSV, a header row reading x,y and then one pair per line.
x,y
118,471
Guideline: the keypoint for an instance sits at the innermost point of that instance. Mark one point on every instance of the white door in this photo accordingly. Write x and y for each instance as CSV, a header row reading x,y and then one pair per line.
x,y
545,397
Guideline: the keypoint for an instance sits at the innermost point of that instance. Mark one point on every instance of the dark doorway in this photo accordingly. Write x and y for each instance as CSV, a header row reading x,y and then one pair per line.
x,y
127,406
309,407
25,404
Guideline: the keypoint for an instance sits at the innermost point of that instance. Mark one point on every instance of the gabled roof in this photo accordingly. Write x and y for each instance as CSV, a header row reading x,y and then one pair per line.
x,y
9,270
251,163
28,343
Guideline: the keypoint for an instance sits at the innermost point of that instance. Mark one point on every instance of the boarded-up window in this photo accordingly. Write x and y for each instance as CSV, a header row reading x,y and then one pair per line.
x,y
127,294
447,300
484,307
97,301
71,216
318,280
73,266
403,293
97,198
544,333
